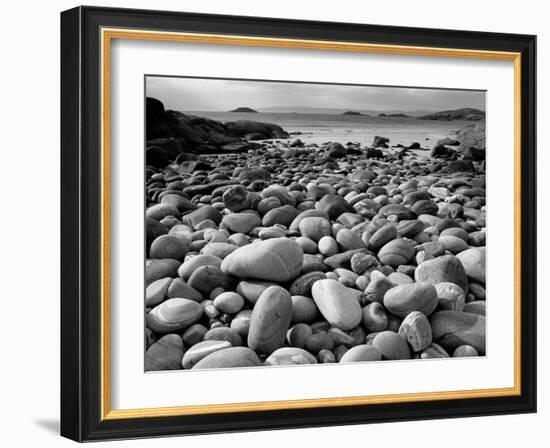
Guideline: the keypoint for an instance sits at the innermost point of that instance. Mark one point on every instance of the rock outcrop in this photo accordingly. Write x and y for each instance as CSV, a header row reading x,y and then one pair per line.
x,y
466,113
170,133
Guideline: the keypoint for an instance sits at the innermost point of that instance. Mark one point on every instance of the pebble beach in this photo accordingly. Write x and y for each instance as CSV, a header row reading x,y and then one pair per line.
x,y
294,252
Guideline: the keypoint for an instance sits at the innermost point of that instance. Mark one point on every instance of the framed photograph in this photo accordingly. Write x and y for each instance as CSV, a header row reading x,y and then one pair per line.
x,y
277,224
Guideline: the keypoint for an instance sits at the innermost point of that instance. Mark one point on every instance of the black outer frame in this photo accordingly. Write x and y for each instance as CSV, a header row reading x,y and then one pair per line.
x,y
80,223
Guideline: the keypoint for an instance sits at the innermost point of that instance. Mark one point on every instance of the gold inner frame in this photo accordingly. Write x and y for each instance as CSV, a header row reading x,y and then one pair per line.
x,y
107,35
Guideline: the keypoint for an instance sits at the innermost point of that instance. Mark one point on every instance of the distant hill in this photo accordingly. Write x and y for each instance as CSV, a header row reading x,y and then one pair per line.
x,y
352,112
244,109
466,113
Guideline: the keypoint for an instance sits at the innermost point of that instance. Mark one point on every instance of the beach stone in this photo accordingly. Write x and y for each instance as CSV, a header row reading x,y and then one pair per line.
x,y
398,210
343,260
404,299
283,215
374,317
277,259
236,198
194,334
203,213
450,296
241,222
220,250
280,192
270,320
206,278
298,335
182,203
160,211
409,228
267,204
349,240
156,291
224,334
333,205
302,285
475,307
340,337
287,356
378,286
473,261
315,228
238,239
399,278
361,353
229,302
434,351
229,357
416,329
153,229
303,309
445,268
319,341
189,266
424,207
328,246
338,304
156,269
452,243
253,174
308,246
454,328
465,351
361,262
241,323
391,345
396,252
311,213
165,354
178,288
202,350
252,289
173,315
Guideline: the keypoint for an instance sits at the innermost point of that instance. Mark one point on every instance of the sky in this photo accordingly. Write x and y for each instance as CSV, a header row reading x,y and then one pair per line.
x,y
201,94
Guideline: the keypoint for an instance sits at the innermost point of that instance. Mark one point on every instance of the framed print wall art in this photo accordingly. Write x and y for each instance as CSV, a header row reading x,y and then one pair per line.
x,y
275,224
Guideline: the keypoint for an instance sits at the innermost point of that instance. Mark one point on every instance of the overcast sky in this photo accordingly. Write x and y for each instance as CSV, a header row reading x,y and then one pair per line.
x,y
188,94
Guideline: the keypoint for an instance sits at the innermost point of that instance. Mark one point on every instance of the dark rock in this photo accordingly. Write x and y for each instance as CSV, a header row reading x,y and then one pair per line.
x,y
334,205
448,141
380,142
156,156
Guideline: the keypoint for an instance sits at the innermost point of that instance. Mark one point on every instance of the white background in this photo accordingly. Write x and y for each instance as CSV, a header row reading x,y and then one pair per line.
x,y
30,237
132,388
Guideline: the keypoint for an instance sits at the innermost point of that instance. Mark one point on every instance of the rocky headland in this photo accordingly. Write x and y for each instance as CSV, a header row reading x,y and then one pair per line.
x,y
466,113
292,253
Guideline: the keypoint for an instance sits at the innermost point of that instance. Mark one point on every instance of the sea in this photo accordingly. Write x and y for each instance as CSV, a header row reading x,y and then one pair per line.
x,y
322,128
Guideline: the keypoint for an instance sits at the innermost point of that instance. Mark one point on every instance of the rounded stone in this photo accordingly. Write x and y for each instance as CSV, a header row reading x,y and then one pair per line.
x,y
404,299
270,320
173,315
361,353
338,304
277,259
391,345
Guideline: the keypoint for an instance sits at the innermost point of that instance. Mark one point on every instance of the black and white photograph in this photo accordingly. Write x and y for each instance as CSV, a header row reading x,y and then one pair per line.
x,y
294,223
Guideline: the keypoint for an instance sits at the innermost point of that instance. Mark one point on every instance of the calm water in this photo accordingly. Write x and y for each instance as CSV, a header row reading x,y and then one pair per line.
x,y
355,128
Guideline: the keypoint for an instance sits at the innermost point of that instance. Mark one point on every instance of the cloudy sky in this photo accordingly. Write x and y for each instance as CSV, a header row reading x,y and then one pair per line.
x,y
189,94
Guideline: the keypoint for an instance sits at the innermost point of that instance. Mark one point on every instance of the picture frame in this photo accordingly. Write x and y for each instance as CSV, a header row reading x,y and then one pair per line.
x,y
86,37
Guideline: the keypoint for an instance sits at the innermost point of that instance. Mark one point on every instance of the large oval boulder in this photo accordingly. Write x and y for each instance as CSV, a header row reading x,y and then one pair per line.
x,y
338,304
270,320
277,259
